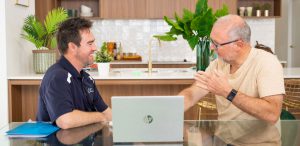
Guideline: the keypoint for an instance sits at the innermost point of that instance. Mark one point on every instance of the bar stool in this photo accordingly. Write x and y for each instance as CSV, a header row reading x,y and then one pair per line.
x,y
208,102
291,101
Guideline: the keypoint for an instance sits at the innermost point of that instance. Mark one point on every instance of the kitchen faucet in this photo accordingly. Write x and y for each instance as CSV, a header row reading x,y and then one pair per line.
x,y
150,54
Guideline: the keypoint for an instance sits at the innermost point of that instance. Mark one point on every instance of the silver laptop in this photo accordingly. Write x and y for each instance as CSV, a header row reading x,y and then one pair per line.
x,y
147,118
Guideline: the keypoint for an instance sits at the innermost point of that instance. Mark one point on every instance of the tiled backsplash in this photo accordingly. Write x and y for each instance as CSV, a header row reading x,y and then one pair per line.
x,y
136,34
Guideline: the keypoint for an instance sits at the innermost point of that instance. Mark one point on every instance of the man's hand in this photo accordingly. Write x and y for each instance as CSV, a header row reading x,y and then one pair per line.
x,y
215,82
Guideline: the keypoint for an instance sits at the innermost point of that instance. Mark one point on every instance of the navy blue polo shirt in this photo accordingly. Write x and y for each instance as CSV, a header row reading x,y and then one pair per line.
x,y
63,89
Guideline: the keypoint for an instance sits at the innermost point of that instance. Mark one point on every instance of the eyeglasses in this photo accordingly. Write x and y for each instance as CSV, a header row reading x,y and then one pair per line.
x,y
217,46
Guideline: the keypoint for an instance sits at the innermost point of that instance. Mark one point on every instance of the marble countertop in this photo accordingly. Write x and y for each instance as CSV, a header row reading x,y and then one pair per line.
x,y
153,62
157,73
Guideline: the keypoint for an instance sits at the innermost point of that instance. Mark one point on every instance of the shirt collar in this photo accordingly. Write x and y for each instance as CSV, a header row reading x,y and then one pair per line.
x,y
64,62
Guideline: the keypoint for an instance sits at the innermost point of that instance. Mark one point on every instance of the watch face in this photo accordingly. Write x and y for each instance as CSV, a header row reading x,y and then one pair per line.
x,y
231,95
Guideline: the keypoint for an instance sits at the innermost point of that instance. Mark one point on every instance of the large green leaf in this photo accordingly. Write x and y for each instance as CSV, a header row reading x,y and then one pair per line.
x,y
201,7
203,24
193,41
165,37
174,31
187,15
222,12
173,24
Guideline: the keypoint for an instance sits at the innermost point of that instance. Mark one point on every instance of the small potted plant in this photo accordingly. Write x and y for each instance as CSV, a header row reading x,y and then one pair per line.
x,y
257,9
266,8
102,59
42,35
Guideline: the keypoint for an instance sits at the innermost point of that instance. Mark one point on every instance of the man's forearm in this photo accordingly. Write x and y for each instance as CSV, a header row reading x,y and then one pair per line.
x,y
78,118
262,108
192,95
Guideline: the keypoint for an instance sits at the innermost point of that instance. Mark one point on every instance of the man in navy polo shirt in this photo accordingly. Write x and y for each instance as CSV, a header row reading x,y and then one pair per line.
x,y
68,96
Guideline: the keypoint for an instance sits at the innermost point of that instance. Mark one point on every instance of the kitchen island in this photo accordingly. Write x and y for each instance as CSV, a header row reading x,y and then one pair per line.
x,y
23,90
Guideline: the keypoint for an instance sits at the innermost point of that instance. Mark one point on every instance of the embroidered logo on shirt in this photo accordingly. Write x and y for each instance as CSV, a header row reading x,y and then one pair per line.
x,y
69,78
90,90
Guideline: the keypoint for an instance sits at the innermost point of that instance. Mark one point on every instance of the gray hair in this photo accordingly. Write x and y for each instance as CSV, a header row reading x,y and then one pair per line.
x,y
238,27
242,31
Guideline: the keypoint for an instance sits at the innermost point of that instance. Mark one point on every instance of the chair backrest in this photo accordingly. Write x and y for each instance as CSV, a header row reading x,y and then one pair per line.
x,y
292,93
291,101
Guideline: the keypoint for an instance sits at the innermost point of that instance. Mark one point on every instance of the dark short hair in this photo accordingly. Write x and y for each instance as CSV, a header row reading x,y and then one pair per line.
x,y
69,31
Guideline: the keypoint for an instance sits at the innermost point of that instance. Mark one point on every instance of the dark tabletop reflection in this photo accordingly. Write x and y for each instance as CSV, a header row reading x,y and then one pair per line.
x,y
224,133
196,133
95,134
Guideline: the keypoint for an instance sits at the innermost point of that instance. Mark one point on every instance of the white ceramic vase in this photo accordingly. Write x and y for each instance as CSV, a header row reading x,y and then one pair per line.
x,y
258,13
103,69
266,13
242,11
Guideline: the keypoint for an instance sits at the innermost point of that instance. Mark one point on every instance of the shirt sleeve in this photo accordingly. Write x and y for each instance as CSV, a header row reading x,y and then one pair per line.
x,y
98,101
58,97
270,79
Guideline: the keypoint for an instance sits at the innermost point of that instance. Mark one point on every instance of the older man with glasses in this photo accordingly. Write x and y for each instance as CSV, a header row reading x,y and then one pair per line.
x,y
247,83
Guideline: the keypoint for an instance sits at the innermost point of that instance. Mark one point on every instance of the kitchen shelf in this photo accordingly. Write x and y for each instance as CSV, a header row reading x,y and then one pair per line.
x,y
275,10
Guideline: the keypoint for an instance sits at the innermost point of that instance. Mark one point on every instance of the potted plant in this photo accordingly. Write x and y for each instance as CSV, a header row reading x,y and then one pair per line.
x,y
257,9
266,8
195,28
102,59
42,35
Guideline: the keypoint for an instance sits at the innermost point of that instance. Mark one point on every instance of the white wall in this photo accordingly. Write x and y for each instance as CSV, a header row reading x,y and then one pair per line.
x,y
281,33
15,53
19,56
135,34
3,70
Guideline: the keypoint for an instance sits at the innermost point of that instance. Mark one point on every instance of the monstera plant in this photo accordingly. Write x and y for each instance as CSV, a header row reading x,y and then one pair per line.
x,y
195,28
42,35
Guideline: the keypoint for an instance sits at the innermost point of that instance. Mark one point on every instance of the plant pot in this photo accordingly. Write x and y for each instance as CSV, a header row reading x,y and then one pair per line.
x,y
249,11
266,13
103,69
43,59
258,13
203,53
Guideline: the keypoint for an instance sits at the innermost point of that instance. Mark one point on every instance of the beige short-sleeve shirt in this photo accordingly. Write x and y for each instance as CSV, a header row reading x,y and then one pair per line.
x,y
259,76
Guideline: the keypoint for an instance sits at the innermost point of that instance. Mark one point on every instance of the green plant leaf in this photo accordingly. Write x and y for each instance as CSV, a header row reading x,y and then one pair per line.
x,y
201,7
174,31
102,55
43,34
203,24
33,31
193,41
173,24
222,12
187,15
165,37
53,19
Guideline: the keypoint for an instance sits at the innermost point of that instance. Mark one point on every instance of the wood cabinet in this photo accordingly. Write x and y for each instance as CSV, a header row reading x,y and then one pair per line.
x,y
23,93
148,9
130,9
139,9
42,7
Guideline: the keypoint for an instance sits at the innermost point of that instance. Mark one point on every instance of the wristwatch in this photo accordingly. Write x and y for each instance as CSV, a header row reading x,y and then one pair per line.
x,y
231,95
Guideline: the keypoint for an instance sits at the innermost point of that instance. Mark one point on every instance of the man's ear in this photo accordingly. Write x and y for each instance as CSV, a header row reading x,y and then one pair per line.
x,y
240,43
72,47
